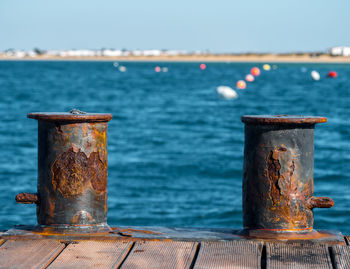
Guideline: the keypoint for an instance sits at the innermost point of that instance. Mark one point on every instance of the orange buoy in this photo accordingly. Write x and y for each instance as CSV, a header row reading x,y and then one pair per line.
x,y
157,69
241,84
202,66
255,71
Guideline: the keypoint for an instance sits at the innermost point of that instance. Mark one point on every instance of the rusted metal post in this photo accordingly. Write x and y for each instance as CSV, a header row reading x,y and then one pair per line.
x,y
278,175
72,171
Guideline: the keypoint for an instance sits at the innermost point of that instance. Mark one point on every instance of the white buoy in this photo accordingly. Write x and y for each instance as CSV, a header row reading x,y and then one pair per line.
x,y
122,68
115,64
165,69
315,75
249,78
227,92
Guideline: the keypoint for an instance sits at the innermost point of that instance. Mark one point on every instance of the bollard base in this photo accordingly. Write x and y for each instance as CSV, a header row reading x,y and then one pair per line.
x,y
62,230
322,236
135,233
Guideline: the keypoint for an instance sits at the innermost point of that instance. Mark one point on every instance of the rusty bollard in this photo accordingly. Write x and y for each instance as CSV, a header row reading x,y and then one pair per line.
x,y
278,176
72,171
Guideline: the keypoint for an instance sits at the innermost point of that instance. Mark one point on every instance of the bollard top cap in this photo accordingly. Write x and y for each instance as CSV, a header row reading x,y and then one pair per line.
x,y
282,119
72,116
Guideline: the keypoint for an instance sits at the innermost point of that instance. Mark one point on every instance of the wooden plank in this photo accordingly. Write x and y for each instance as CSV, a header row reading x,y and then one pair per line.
x,y
2,241
92,254
299,256
153,254
341,256
231,254
29,253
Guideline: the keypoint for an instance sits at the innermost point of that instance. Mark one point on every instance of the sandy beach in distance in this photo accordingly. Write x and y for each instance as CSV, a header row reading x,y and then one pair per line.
x,y
264,58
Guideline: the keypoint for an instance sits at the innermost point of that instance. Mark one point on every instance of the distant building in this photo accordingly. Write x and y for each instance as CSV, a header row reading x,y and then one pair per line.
x,y
112,53
52,53
115,53
152,52
16,53
79,53
32,53
175,52
339,51
137,52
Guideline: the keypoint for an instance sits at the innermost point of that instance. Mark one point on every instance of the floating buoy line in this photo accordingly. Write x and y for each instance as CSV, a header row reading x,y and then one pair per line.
x,y
229,93
255,72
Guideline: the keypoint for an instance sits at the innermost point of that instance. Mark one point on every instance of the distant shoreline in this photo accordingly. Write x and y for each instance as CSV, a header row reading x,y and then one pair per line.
x,y
265,58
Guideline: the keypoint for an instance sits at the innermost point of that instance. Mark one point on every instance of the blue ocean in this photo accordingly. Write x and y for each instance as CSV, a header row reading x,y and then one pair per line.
x,y
175,147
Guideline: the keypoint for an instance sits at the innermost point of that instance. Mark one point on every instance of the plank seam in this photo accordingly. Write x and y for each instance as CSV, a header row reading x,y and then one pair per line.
x,y
122,258
54,257
193,256
263,257
332,257
329,257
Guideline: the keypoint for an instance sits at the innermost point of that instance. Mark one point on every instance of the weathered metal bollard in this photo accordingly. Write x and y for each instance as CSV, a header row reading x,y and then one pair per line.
x,y
278,175
72,171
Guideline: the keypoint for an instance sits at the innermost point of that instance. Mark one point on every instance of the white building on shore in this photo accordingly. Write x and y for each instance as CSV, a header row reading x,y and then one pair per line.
x,y
339,51
77,53
95,53
15,53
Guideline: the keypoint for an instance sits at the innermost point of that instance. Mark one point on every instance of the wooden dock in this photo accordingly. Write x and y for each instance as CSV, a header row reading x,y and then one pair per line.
x,y
166,248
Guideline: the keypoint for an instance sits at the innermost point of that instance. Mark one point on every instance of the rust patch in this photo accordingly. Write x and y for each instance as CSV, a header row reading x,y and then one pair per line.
x,y
100,138
59,129
105,206
75,148
49,207
63,133
69,173
131,231
286,199
27,198
320,202
98,172
72,170
292,167
273,174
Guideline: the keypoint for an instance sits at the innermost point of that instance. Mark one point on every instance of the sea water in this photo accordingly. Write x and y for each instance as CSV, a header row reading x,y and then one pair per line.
x,y
175,147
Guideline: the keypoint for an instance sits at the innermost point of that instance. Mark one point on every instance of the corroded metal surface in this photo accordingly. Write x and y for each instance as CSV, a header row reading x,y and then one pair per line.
x,y
70,117
27,198
72,183
278,175
282,119
169,234
72,171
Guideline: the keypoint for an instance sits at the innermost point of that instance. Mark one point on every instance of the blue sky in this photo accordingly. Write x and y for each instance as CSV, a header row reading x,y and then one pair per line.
x,y
220,26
